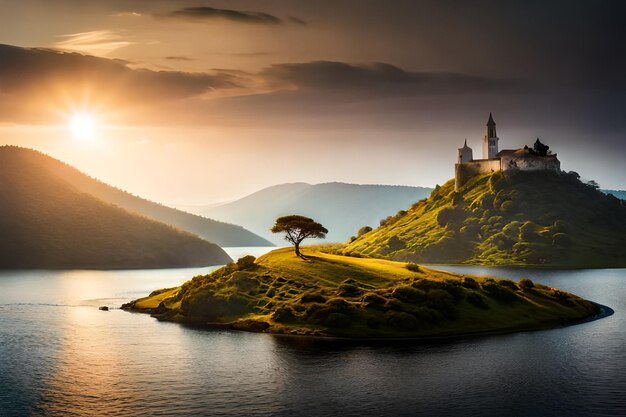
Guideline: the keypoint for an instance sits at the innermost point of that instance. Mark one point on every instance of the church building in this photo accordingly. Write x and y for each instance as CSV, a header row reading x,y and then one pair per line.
x,y
537,158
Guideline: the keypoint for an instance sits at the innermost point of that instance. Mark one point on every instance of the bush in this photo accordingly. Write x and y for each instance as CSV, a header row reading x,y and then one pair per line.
x,y
408,294
312,297
443,302
284,314
413,267
469,282
349,290
477,300
246,262
508,284
364,230
401,320
337,320
373,299
525,284
498,293
395,243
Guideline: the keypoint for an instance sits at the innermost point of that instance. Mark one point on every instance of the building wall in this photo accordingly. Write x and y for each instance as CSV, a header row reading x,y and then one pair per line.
x,y
464,172
534,163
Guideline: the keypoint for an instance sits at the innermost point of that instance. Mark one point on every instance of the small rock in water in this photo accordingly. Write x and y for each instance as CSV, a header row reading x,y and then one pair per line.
x,y
103,308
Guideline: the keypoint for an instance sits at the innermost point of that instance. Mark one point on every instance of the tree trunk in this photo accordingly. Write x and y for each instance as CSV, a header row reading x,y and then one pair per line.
x,y
297,245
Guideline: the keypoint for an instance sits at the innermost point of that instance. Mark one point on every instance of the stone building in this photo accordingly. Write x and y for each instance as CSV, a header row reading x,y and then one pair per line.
x,y
536,158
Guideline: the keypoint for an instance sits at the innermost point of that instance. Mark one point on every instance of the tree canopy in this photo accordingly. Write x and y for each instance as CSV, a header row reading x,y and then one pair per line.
x,y
297,228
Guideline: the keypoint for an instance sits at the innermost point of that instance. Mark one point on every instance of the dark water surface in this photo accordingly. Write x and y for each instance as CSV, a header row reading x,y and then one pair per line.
x,y
60,355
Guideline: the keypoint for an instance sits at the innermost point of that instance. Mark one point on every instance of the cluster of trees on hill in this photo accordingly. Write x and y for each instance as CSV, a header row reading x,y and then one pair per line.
x,y
521,218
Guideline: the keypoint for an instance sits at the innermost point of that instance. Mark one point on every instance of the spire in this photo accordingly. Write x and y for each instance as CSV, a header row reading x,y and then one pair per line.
x,y
490,122
465,145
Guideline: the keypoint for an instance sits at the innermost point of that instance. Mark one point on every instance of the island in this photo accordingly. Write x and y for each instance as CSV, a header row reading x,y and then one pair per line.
x,y
327,294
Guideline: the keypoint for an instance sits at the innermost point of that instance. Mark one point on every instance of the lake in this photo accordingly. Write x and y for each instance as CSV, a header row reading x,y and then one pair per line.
x,y
60,355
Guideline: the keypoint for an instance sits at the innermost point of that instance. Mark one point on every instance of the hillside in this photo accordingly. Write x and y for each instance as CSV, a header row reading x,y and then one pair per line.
x,y
356,297
223,234
524,218
341,208
46,222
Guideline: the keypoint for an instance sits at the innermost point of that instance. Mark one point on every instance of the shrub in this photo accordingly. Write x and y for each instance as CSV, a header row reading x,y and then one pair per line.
x,y
246,262
508,284
413,267
401,320
395,243
408,294
363,230
426,316
498,293
337,320
477,300
561,239
469,282
349,290
373,299
443,302
526,284
375,322
284,314
312,297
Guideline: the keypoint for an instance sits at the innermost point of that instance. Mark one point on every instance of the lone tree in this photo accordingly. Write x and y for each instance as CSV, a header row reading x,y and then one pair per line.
x,y
297,228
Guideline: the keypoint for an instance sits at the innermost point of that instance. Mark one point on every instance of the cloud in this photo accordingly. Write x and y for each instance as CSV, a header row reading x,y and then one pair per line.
x,y
207,13
97,42
377,79
35,82
178,58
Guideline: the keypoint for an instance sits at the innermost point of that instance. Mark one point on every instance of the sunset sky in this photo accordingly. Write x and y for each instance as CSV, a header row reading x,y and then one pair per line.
x,y
193,102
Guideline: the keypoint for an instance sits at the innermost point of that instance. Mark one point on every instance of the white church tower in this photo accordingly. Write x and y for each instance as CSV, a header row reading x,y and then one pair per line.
x,y
490,140
465,154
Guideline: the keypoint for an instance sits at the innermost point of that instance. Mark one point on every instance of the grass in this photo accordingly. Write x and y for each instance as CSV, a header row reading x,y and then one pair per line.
x,y
334,295
516,219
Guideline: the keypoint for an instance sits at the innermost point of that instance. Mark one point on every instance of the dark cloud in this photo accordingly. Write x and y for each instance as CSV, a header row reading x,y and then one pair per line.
x,y
206,13
178,58
378,79
297,20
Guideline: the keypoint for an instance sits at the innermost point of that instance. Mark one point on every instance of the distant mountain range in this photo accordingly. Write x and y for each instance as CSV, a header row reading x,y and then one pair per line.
x,y
617,193
341,208
50,219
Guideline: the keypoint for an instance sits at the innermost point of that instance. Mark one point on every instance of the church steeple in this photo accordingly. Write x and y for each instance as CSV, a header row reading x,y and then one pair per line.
x,y
491,127
490,140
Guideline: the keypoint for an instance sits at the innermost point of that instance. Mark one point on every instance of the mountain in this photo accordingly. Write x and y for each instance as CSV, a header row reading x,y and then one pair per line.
x,y
342,208
331,295
223,234
48,222
621,194
518,218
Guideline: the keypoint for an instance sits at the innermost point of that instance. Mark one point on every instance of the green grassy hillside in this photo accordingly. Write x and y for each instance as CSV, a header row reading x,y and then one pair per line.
x,y
523,218
45,222
357,297
223,234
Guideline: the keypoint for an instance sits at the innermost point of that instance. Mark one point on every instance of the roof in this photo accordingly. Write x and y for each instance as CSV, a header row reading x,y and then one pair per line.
x,y
490,122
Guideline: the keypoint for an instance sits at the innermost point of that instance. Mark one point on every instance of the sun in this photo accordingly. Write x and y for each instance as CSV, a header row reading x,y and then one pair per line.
x,y
84,126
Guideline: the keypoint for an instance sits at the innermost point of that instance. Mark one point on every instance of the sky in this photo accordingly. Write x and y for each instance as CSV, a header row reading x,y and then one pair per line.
x,y
195,102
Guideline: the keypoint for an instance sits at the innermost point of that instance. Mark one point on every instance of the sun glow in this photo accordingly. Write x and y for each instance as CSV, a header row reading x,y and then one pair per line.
x,y
84,126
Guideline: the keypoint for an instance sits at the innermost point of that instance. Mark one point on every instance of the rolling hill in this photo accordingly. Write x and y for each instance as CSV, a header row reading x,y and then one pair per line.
x,y
221,233
355,297
518,218
48,222
342,208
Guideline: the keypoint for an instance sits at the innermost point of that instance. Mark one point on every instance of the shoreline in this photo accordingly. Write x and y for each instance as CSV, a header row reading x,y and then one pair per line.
x,y
603,312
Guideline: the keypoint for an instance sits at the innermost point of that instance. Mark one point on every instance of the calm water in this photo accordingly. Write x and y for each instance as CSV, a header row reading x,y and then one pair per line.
x,y
60,355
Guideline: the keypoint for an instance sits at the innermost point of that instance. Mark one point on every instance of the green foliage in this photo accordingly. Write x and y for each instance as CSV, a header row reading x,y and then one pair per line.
x,y
297,228
513,218
282,294
526,284
246,262
363,230
413,267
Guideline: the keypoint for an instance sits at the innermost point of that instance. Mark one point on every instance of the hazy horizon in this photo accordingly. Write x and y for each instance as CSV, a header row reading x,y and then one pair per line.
x,y
194,102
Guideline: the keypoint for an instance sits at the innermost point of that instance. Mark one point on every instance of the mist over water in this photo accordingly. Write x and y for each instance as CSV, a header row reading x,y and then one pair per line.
x,y
60,355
